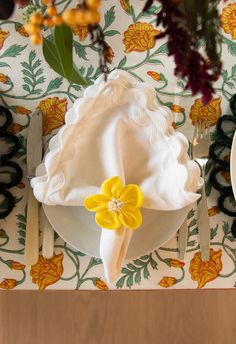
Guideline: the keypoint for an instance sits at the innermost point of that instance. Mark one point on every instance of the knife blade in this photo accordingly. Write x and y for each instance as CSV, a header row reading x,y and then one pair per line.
x,y
34,158
183,239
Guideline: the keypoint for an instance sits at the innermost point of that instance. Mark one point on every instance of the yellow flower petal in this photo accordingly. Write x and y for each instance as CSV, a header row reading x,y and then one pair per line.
x,y
96,203
112,187
108,220
132,195
130,218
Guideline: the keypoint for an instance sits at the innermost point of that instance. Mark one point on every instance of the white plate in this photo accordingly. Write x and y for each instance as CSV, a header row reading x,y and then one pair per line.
x,y
77,227
233,165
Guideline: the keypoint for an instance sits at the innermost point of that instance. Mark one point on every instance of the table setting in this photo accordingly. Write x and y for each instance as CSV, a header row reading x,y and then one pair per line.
x,y
121,171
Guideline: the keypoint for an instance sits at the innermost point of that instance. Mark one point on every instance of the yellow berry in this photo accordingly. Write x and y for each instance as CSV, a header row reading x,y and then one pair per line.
x,y
51,11
81,17
93,17
31,29
36,39
36,19
46,2
69,17
48,22
57,20
93,4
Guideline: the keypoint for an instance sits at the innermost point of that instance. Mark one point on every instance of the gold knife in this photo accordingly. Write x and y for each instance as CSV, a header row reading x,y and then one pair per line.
x,y
34,158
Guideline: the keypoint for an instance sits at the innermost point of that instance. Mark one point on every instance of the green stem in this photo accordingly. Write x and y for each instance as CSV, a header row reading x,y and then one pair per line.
x,y
227,275
182,277
160,258
23,278
9,89
168,249
135,75
6,242
148,56
38,97
12,251
194,249
91,263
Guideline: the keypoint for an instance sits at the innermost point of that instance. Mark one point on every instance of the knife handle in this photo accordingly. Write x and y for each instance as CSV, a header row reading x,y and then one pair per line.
x,y
183,239
32,230
204,226
48,236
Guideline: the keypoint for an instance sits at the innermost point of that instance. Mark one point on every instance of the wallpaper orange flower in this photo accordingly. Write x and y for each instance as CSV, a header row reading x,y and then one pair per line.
x,y
213,211
205,272
100,284
175,263
210,112
125,4
228,20
140,37
81,31
15,128
154,75
109,54
21,110
3,78
167,281
47,271
8,283
177,108
22,31
54,110
3,36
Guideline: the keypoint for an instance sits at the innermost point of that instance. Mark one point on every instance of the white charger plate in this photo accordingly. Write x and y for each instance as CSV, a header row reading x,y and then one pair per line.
x,y
77,227
233,165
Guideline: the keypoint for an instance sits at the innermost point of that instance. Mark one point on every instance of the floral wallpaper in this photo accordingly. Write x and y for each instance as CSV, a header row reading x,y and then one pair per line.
x,y
27,83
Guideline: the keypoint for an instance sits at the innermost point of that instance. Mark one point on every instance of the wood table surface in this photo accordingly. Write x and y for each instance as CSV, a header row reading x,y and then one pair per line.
x,y
139,317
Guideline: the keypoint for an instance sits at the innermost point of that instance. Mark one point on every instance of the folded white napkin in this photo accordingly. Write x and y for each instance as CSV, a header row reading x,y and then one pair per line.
x,y
118,129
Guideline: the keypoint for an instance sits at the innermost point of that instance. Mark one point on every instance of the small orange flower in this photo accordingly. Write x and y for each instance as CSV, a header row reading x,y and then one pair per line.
x,y
175,263
125,5
15,128
177,108
210,112
226,176
100,284
54,110
81,31
109,54
20,110
47,271
204,272
3,78
16,266
22,31
8,283
228,20
213,211
3,36
140,37
174,125
167,281
156,76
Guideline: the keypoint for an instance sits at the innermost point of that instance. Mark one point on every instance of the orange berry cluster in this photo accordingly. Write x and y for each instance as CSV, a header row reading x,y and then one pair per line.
x,y
87,14
37,21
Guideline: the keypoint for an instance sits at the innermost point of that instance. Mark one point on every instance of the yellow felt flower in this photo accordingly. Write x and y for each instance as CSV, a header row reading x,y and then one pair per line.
x,y
117,205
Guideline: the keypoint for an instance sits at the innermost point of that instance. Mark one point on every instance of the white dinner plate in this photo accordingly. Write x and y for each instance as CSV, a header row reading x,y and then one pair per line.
x,y
233,165
77,227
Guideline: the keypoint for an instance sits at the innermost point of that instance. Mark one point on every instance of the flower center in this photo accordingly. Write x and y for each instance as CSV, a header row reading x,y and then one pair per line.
x,y
115,205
